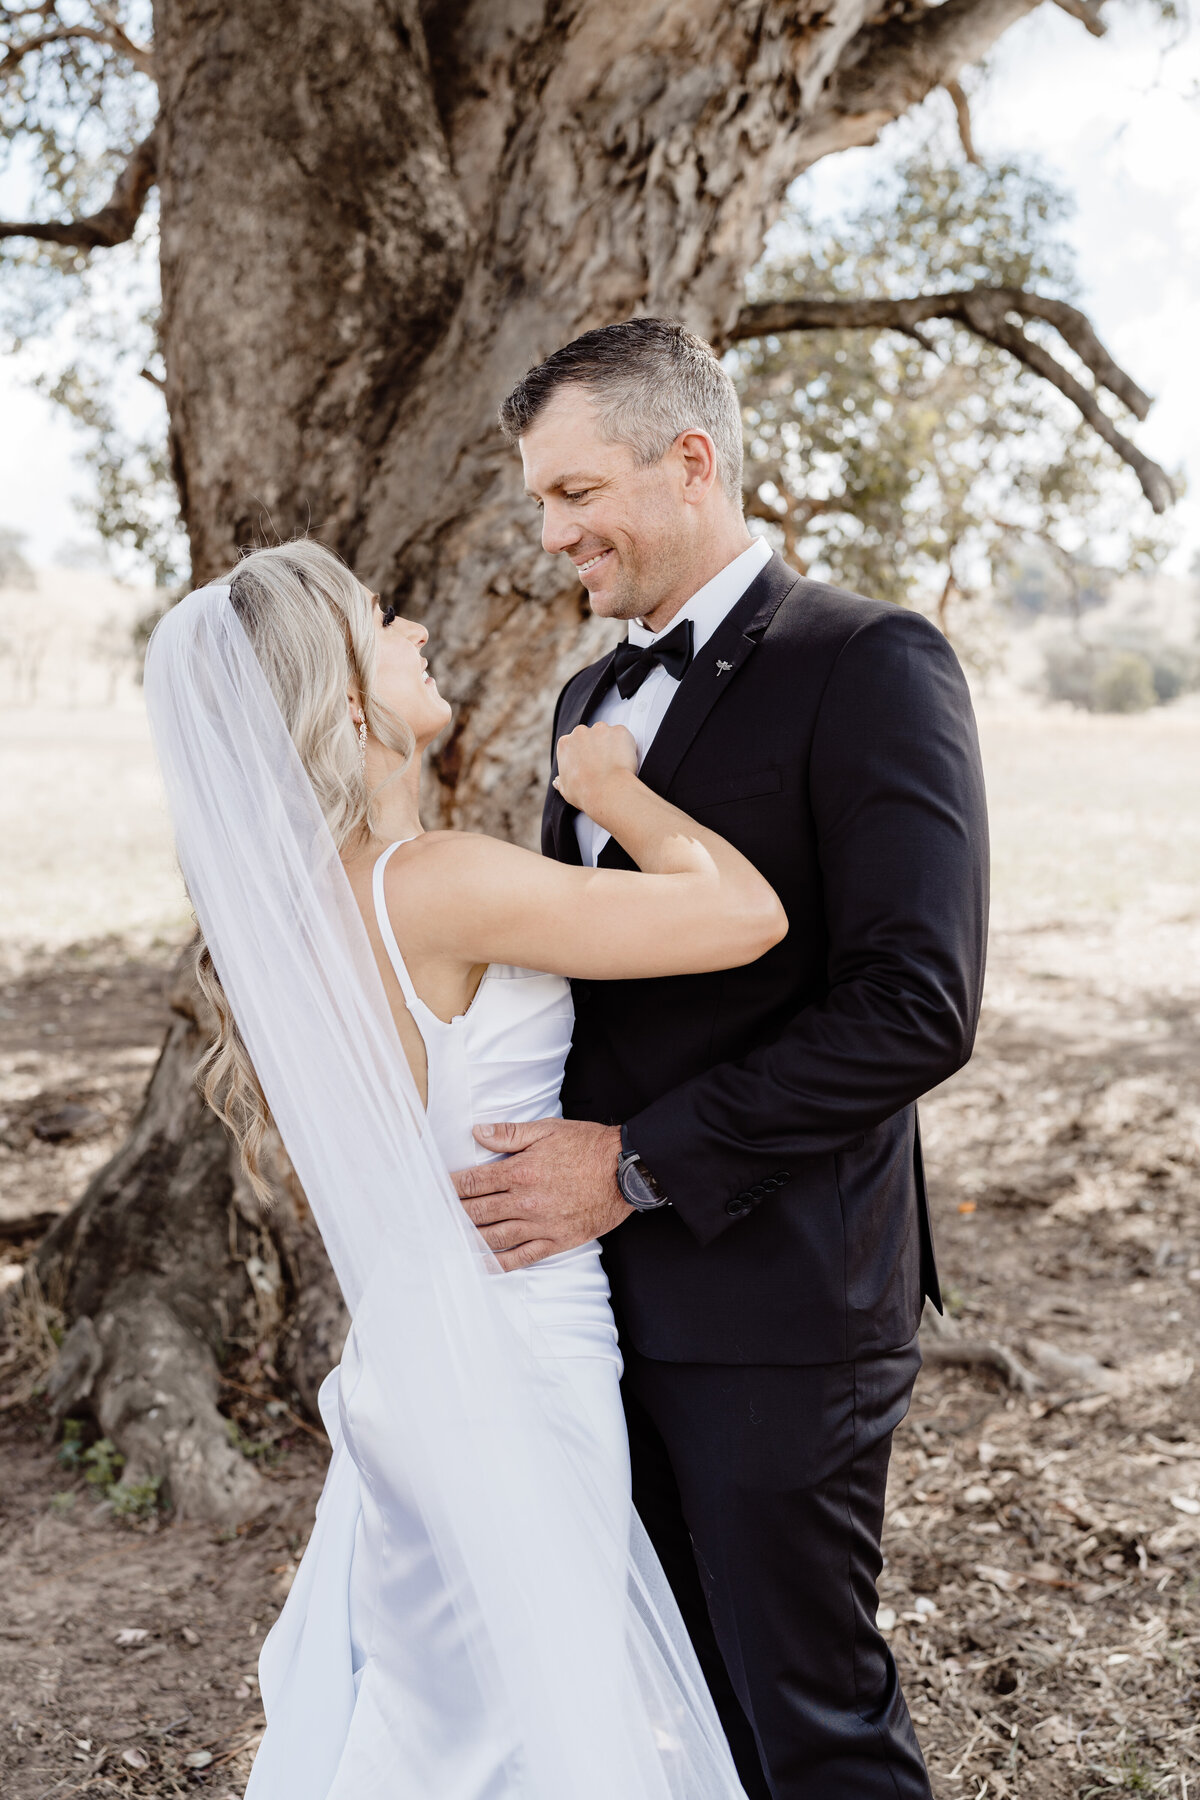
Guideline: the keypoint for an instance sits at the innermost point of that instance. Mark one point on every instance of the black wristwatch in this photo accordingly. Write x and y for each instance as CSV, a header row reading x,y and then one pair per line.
x,y
637,1184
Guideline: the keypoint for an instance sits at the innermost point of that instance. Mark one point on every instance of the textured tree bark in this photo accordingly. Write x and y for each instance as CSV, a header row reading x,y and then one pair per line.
x,y
144,1257
370,230
166,1267
374,218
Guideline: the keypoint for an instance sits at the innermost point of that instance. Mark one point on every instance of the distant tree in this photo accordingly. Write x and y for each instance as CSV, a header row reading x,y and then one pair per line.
x,y
1125,683
114,647
1115,659
15,571
136,505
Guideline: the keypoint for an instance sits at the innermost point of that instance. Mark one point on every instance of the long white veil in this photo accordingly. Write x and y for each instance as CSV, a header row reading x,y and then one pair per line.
x,y
583,1669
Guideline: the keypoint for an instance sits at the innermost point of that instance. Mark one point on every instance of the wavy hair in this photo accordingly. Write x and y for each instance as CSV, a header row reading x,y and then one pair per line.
x,y
309,621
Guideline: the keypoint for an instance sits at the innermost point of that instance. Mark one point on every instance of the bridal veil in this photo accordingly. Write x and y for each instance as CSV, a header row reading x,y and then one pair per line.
x,y
579,1660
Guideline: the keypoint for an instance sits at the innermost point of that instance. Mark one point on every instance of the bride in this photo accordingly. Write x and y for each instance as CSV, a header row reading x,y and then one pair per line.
x,y
478,1615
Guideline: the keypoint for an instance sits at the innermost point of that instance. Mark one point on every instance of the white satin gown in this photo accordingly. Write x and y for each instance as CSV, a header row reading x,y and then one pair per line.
x,y
331,1733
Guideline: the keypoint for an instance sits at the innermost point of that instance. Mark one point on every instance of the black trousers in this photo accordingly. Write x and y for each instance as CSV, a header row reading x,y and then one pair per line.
x,y
762,1490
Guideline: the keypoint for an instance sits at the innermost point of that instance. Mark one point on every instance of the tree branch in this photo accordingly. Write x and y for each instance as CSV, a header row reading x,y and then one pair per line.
x,y
110,33
971,1353
1088,12
792,515
987,312
115,221
904,59
943,1344
139,54
962,112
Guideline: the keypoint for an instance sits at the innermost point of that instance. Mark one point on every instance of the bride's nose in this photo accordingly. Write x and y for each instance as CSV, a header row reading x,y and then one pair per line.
x,y
418,633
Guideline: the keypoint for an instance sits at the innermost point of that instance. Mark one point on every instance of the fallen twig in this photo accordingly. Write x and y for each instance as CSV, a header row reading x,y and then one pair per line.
x,y
942,1346
257,1394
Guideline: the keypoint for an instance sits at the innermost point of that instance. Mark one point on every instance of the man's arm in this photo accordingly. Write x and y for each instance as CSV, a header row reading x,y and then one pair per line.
x,y
897,791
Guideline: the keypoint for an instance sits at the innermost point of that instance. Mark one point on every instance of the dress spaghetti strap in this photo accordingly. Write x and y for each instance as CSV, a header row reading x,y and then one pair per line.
x,y
412,998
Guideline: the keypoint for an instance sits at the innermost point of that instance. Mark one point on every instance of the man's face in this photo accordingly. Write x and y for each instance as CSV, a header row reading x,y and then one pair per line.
x,y
624,526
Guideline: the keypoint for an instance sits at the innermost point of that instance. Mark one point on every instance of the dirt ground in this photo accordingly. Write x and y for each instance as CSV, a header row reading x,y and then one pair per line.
x,y
1042,1587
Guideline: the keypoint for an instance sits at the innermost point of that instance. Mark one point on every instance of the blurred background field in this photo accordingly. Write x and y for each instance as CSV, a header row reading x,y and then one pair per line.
x,y
87,846
1093,816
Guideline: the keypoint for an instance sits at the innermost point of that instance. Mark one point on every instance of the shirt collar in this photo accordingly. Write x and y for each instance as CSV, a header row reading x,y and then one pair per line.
x,y
710,605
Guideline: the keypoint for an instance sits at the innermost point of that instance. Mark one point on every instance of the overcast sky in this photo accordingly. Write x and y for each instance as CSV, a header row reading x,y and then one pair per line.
x,y
1117,122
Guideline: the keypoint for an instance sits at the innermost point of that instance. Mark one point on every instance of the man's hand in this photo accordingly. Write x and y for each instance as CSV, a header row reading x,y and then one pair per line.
x,y
556,1188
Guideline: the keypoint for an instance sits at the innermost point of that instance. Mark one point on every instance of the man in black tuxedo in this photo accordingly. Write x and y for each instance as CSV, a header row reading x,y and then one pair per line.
x,y
748,1140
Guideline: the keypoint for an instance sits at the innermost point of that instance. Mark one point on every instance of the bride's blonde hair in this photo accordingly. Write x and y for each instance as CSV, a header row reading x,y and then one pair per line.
x,y
309,621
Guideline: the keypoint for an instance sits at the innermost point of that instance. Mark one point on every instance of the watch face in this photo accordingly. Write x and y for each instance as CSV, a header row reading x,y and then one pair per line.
x,y
637,1189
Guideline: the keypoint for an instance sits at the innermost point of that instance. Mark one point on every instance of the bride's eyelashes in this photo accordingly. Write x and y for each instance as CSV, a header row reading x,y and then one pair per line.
x,y
389,611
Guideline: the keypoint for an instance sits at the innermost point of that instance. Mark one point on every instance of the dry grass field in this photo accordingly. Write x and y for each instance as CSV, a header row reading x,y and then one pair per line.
x,y
1042,1588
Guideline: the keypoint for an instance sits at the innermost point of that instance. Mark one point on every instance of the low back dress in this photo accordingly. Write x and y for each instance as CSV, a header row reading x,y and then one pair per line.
x,y
333,1729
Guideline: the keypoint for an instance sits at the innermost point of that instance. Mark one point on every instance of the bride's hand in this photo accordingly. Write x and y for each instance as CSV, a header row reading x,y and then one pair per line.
x,y
588,760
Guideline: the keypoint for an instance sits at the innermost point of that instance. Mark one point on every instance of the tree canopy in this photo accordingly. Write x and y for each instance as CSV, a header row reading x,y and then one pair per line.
x,y
916,461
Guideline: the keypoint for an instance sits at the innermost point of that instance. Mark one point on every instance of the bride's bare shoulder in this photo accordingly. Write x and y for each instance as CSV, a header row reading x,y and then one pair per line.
x,y
440,855
446,885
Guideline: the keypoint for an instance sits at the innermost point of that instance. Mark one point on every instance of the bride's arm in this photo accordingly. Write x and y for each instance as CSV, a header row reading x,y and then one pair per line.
x,y
697,905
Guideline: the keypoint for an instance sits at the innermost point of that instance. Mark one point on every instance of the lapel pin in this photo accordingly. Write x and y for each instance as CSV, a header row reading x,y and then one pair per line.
x,y
723,668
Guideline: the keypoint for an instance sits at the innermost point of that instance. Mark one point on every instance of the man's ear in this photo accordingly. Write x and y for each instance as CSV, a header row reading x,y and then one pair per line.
x,y
698,458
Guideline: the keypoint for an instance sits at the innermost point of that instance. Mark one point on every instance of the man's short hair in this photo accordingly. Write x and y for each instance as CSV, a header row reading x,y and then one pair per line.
x,y
651,379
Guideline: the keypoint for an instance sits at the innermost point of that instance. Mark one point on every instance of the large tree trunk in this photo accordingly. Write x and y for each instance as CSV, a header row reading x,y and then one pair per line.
x,y
369,232
375,216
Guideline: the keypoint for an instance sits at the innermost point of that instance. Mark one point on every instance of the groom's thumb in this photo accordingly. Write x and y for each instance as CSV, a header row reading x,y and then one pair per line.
x,y
510,1137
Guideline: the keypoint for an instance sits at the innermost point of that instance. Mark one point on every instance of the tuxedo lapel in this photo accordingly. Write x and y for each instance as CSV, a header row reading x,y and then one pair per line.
x,y
715,669
712,673
575,711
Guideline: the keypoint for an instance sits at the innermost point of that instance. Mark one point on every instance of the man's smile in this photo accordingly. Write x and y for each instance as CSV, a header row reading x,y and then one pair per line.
x,y
592,561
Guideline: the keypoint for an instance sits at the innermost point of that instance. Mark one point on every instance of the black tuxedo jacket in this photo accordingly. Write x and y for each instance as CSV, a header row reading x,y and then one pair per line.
x,y
831,739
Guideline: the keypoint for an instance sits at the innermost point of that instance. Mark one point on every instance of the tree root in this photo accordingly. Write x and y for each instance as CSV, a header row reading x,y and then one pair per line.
x,y
943,1345
145,1270
157,1399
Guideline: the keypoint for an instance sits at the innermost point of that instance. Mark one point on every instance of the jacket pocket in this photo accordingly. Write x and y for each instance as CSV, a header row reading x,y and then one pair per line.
x,y
747,786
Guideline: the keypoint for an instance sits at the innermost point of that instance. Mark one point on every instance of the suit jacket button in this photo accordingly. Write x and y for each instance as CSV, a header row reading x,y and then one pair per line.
x,y
738,1205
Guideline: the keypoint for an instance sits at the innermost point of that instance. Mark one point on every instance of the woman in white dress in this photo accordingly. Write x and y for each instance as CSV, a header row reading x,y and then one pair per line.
x,y
477,1616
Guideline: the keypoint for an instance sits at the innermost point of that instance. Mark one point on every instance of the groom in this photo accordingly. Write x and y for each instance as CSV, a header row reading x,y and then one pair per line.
x,y
748,1140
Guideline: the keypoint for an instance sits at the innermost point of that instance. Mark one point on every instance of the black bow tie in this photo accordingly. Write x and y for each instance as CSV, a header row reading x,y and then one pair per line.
x,y
632,664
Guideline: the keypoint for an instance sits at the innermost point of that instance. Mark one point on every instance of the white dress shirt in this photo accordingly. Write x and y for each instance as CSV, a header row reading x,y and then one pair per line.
x,y
644,711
